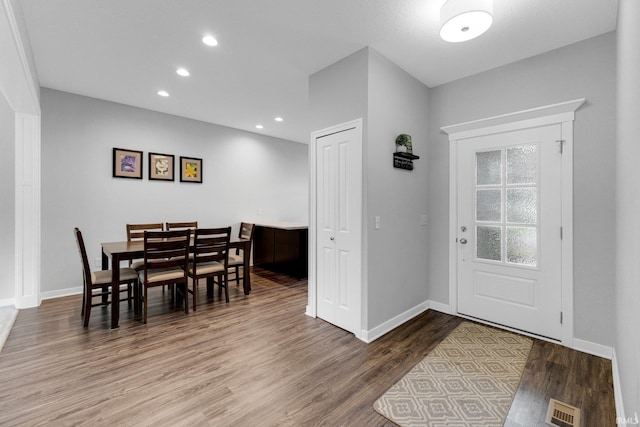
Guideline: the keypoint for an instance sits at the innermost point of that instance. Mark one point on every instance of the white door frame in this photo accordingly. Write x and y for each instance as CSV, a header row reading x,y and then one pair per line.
x,y
563,114
20,88
311,309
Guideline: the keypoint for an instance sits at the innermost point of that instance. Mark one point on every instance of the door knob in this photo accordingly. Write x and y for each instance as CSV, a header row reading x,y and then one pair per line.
x,y
331,238
463,241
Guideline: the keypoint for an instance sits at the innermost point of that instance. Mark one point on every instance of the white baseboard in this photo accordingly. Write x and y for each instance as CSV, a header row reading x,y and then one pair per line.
x,y
617,388
438,306
593,348
380,330
309,313
61,293
7,301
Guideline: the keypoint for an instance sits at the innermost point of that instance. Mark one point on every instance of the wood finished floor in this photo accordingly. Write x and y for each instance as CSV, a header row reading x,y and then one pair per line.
x,y
257,361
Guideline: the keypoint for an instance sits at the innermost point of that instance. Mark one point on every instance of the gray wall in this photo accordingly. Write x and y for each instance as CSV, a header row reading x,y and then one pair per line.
x,y
243,172
391,102
397,252
338,93
583,70
7,195
627,318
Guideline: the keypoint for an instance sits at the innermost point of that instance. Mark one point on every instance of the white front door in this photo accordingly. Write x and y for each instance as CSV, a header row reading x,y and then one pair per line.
x,y
509,247
338,227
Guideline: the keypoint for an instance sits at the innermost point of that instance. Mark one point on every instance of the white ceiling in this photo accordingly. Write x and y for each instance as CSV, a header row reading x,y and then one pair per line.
x,y
127,50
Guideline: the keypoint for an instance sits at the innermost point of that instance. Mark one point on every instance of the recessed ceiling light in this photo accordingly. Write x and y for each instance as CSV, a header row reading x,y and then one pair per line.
x,y
259,127
278,119
163,93
183,72
210,41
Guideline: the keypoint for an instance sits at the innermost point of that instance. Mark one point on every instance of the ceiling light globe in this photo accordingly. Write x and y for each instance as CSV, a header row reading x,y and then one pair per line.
x,y
210,41
464,20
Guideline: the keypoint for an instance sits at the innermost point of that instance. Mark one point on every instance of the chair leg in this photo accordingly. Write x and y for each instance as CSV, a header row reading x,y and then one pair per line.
x,y
210,283
225,279
84,297
195,291
144,314
226,287
87,309
238,276
185,297
136,298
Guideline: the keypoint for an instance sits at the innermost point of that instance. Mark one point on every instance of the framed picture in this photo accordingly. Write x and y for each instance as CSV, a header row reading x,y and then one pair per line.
x,y
127,163
190,169
161,167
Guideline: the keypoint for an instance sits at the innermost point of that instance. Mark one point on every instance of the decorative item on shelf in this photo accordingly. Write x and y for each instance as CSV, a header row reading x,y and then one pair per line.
x,y
403,143
403,157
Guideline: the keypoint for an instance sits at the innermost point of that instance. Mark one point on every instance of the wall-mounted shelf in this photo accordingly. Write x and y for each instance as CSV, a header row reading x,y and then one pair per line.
x,y
404,160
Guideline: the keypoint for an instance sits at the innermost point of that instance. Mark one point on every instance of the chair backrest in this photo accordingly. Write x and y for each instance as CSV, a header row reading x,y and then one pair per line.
x,y
192,225
86,272
136,231
166,249
246,230
212,244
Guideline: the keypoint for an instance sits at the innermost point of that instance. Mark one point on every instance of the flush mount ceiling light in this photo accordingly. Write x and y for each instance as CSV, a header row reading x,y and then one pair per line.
x,y
278,119
163,93
183,72
464,20
210,40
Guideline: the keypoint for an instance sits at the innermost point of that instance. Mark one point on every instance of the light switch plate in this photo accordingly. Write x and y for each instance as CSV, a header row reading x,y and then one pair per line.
x,y
377,220
424,219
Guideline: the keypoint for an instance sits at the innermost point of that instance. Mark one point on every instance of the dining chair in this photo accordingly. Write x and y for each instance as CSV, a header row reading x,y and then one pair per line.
x,y
101,281
165,263
191,225
135,232
236,258
211,254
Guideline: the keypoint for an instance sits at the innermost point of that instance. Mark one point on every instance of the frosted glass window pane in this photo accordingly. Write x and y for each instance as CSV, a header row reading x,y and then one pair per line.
x,y
522,206
522,165
489,243
488,205
522,246
489,168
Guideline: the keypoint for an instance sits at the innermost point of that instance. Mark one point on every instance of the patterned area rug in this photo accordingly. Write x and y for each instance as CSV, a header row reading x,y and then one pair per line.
x,y
8,315
469,379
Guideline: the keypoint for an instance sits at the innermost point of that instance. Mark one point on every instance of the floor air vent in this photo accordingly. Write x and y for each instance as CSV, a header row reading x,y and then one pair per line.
x,y
562,415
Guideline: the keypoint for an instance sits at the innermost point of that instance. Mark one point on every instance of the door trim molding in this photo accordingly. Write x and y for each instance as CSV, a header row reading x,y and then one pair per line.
x,y
311,309
562,113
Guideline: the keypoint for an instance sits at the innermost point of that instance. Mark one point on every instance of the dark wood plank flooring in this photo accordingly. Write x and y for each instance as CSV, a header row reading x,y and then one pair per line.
x,y
257,361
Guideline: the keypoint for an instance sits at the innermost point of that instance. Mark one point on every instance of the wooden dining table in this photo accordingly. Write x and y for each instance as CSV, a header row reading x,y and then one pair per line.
x,y
126,250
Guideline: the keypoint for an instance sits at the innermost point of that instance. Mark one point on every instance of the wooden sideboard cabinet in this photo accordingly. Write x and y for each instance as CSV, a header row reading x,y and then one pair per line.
x,y
282,247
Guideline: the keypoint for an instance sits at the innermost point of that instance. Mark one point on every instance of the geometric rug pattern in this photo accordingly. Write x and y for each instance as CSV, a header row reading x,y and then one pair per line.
x,y
8,315
468,380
